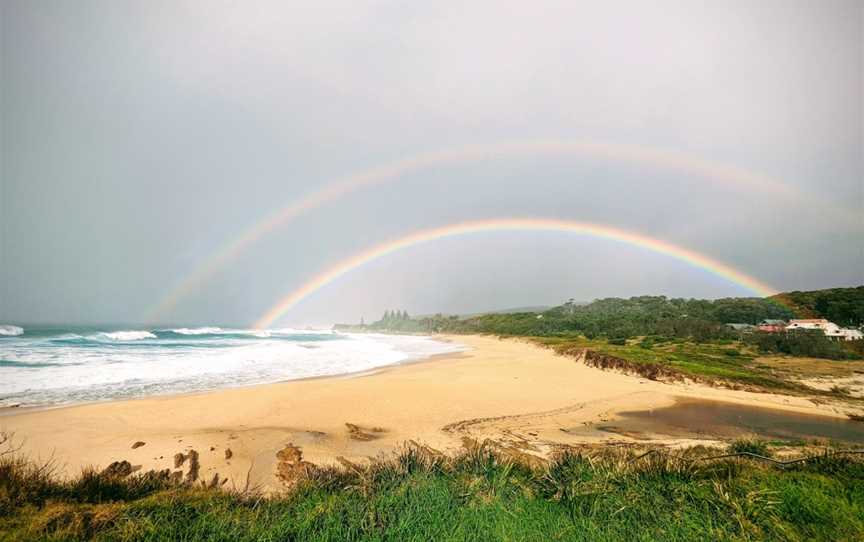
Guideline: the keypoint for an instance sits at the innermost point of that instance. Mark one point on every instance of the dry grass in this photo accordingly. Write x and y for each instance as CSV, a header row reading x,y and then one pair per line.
x,y
812,367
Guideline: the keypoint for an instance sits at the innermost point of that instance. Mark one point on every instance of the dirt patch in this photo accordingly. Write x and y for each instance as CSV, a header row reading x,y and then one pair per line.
x,y
194,466
179,459
118,469
291,467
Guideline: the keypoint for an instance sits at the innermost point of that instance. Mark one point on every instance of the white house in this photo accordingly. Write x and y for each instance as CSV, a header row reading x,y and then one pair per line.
x,y
852,334
830,329
815,323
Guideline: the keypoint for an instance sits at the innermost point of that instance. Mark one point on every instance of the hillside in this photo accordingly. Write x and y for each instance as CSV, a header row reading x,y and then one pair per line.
x,y
660,318
843,306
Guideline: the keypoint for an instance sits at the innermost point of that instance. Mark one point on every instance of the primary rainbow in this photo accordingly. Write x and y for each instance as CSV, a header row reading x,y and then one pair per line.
x,y
677,161
512,224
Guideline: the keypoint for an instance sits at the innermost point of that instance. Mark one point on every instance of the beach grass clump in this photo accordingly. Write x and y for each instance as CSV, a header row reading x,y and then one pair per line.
x,y
23,482
750,446
486,492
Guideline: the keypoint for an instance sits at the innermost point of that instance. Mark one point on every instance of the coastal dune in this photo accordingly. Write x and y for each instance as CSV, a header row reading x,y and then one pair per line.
x,y
508,390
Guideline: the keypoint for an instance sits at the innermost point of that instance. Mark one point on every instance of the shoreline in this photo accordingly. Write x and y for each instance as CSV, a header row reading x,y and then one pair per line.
x,y
14,410
508,390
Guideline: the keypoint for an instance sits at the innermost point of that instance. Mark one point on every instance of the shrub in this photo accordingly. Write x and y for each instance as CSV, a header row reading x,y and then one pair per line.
x,y
802,342
753,446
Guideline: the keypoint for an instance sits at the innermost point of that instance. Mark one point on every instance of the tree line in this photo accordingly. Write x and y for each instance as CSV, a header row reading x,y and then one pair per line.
x,y
618,319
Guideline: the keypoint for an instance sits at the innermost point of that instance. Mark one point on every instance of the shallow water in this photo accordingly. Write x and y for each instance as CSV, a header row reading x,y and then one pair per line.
x,y
51,366
690,418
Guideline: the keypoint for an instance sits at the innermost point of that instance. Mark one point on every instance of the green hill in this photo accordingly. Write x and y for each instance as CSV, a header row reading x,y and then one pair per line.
x,y
843,306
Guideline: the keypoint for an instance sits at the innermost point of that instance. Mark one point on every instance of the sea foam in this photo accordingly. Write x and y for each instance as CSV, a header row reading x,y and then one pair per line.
x,y
10,331
198,330
127,335
61,366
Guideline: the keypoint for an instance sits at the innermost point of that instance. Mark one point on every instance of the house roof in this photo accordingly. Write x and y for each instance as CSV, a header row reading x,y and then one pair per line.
x,y
809,321
770,322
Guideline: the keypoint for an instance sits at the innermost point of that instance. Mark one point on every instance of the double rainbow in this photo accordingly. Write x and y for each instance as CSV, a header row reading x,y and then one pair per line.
x,y
511,224
695,167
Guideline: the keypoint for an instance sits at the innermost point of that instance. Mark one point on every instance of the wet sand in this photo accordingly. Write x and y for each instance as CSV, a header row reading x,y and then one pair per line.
x,y
697,418
508,390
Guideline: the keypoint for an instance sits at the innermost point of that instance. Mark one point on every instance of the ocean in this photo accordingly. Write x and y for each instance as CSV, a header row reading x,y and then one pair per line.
x,y
46,366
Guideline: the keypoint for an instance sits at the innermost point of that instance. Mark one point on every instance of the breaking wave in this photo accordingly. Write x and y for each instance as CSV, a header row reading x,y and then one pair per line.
x,y
128,335
10,331
198,331
79,364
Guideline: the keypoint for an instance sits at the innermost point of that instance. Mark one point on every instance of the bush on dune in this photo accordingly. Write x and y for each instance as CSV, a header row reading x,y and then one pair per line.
x,y
750,446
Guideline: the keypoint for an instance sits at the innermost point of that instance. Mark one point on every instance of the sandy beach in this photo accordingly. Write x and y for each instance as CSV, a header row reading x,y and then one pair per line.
x,y
507,390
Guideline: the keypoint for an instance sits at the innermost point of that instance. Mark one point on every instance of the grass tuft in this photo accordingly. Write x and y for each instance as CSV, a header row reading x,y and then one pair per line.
x,y
750,445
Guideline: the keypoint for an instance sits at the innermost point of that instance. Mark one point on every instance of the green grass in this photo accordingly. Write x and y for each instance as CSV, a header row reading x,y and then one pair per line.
x,y
713,362
478,495
751,446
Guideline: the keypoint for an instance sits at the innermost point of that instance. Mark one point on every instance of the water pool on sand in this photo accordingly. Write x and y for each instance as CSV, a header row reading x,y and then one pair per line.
x,y
694,418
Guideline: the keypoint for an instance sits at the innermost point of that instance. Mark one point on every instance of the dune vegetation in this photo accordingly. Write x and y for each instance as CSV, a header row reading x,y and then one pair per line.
x,y
661,319
671,338
721,363
480,494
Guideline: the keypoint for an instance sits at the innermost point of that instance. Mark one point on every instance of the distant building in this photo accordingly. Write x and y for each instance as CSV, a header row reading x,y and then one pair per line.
x,y
830,329
815,323
772,326
851,334
742,327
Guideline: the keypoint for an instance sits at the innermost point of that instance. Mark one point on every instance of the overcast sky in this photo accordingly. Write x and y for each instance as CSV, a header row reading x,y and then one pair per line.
x,y
140,136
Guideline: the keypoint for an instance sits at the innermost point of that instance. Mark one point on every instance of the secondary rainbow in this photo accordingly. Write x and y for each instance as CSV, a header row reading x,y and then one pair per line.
x,y
694,166
511,224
